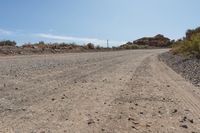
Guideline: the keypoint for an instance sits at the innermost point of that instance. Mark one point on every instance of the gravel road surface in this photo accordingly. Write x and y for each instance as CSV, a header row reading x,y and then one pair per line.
x,y
102,92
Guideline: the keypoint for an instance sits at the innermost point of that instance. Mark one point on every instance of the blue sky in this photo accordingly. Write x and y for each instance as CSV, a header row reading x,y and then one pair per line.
x,y
83,21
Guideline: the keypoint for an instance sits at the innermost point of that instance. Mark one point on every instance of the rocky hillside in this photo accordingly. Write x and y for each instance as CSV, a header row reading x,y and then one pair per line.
x,y
149,42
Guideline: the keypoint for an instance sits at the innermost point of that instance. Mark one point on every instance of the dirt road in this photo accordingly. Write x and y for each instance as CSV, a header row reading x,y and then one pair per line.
x,y
103,92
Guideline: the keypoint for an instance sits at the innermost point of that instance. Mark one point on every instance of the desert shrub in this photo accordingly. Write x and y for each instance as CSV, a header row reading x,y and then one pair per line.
x,y
99,47
90,46
192,32
135,46
7,43
189,47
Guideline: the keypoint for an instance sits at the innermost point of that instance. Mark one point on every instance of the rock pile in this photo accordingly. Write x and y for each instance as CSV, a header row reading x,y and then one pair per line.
x,y
189,68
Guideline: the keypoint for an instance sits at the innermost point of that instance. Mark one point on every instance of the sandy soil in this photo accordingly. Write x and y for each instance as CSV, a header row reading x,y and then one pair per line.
x,y
103,92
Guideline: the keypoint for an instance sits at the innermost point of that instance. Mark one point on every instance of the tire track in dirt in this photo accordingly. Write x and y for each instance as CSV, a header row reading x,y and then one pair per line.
x,y
123,91
73,77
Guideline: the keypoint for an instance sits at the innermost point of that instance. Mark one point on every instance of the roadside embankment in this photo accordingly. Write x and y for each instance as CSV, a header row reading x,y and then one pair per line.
x,y
189,68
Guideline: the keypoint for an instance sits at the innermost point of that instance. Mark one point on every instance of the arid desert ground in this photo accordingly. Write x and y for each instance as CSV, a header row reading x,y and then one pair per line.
x,y
101,92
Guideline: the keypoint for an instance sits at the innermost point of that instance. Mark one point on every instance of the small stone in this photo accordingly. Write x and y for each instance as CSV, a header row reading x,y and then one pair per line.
x,y
191,121
163,98
184,126
53,99
90,121
130,119
168,85
184,118
147,125
141,113
175,110
134,127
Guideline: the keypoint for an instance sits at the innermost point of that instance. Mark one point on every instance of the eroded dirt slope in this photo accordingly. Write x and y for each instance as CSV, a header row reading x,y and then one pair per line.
x,y
104,92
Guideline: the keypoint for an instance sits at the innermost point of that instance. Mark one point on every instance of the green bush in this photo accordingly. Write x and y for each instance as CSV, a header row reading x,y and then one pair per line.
x,y
90,46
7,43
187,47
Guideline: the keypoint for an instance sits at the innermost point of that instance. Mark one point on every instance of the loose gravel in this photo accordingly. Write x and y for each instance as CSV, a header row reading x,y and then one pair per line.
x,y
187,67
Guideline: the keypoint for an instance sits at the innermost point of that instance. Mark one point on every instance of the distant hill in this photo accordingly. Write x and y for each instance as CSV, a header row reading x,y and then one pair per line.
x,y
148,42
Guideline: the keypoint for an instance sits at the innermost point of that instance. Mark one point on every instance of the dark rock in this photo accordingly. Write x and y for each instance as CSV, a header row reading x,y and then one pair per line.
x,y
134,127
131,119
141,113
175,110
191,121
168,85
91,121
184,126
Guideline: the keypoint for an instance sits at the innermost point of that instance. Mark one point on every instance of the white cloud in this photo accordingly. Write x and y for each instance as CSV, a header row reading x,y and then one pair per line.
x,y
5,32
76,39
68,38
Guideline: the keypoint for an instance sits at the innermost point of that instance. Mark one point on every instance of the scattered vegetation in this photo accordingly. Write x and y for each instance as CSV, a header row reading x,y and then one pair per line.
x,y
7,43
134,46
90,46
190,45
43,45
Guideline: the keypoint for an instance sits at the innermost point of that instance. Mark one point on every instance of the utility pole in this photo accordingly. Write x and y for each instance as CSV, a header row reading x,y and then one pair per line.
x,y
107,44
